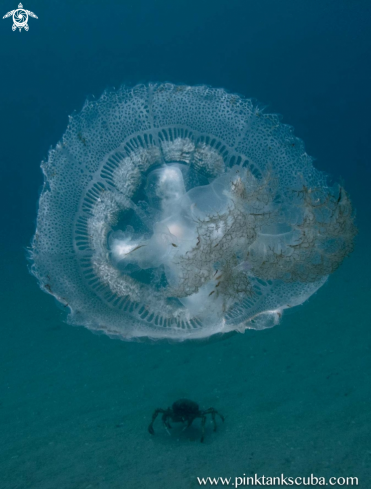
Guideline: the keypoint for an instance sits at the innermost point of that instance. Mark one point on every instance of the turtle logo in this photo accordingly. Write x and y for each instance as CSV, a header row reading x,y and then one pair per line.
x,y
20,18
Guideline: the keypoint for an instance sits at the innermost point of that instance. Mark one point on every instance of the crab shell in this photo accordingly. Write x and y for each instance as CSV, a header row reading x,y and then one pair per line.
x,y
185,407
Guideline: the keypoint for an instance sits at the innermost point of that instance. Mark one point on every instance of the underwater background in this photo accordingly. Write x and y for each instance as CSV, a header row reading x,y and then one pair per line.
x,y
74,406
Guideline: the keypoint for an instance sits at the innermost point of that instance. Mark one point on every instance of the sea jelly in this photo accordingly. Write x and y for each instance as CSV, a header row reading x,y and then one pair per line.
x,y
181,212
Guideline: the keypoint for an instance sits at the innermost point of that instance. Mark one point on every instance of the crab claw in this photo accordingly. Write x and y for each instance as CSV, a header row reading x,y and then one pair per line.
x,y
151,430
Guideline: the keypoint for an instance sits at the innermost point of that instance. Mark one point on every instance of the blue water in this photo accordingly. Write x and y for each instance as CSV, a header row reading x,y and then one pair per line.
x,y
74,407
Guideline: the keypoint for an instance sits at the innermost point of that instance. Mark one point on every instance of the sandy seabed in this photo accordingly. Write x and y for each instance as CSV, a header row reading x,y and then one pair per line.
x,y
74,406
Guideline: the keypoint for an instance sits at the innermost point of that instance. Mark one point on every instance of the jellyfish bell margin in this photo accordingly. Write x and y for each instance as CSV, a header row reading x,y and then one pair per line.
x,y
178,212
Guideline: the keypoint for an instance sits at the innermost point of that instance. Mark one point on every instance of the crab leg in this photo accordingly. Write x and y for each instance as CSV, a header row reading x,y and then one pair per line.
x,y
189,422
154,416
166,422
214,421
203,428
213,411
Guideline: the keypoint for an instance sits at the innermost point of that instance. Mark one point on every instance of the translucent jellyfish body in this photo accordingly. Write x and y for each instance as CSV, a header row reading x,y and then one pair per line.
x,y
182,212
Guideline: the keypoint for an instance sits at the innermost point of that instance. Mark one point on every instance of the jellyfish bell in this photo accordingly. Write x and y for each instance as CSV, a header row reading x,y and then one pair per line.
x,y
183,212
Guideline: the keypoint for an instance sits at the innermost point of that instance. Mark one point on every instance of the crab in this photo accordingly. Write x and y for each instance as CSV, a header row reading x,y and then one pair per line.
x,y
184,410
